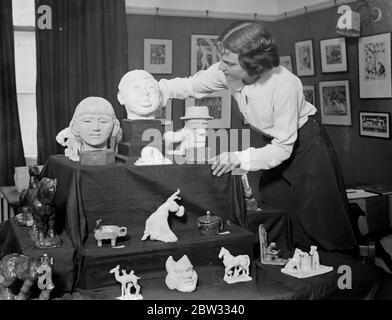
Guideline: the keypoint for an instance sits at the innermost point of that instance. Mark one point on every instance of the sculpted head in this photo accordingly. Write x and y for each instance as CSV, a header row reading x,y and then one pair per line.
x,y
139,93
94,121
181,275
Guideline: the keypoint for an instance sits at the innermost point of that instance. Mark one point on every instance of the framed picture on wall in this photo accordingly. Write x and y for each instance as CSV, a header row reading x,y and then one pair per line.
x,y
219,107
158,56
333,55
374,57
304,58
204,52
165,113
310,95
285,61
374,124
335,103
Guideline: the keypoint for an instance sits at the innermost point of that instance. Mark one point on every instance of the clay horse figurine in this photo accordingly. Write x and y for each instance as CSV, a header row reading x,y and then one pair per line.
x,y
236,267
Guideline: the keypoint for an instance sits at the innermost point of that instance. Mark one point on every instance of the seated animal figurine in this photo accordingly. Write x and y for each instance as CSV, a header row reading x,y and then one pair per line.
x,y
41,203
25,216
157,226
16,266
236,267
108,233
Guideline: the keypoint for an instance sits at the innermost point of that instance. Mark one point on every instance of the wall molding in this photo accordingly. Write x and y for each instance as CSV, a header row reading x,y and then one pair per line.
x,y
235,15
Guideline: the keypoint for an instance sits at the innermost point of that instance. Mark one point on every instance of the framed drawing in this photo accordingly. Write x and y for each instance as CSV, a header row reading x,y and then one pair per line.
x,y
333,55
304,58
219,106
158,56
204,52
335,103
309,93
374,56
374,124
285,61
165,113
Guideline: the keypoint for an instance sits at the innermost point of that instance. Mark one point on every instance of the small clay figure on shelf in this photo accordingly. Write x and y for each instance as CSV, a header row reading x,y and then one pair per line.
x,y
268,253
41,203
157,226
305,265
128,281
236,267
25,217
108,232
16,266
180,274
139,93
192,137
151,156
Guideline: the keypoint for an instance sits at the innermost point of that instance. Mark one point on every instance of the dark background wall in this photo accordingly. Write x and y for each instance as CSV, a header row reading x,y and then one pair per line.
x,y
363,159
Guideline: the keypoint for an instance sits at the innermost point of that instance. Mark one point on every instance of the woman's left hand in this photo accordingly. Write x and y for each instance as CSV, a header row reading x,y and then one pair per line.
x,y
225,162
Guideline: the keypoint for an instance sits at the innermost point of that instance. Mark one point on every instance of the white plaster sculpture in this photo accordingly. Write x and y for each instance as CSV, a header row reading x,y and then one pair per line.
x,y
93,124
236,268
305,265
71,143
139,93
151,156
180,274
193,134
157,226
128,281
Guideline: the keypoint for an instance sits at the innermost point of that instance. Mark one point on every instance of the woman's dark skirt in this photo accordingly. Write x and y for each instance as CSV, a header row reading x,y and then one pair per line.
x,y
310,187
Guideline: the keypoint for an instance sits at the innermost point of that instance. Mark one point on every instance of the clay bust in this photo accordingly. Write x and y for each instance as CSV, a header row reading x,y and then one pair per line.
x,y
139,93
94,122
193,134
180,275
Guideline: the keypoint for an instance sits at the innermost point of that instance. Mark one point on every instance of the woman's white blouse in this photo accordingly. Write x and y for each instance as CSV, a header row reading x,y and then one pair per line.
x,y
274,105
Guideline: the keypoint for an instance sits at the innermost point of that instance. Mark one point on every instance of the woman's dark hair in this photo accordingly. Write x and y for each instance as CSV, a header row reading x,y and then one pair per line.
x,y
254,45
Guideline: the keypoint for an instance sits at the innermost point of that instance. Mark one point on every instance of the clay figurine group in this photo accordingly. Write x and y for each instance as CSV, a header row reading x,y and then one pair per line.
x,y
304,265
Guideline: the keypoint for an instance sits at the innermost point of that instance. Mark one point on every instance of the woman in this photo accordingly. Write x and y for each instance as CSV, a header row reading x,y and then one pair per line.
x,y
300,171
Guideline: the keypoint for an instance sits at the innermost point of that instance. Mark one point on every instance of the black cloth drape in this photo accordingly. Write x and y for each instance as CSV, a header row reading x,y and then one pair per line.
x,y
84,54
11,147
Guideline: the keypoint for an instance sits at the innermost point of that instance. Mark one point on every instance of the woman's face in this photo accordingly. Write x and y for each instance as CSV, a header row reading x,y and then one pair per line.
x,y
230,66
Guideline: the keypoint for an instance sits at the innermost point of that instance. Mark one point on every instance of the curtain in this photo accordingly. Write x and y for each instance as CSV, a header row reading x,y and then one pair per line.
x,y
84,54
11,147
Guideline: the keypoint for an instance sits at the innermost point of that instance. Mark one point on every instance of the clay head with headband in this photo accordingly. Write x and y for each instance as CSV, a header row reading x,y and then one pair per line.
x,y
94,121
257,51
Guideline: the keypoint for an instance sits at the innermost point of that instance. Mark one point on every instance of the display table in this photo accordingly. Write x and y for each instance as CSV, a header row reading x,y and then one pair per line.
x,y
126,195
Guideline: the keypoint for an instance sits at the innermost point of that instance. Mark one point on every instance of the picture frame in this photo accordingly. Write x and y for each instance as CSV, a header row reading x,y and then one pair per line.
x,y
335,103
158,56
204,52
285,61
310,94
165,113
374,124
333,55
304,58
219,107
374,59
